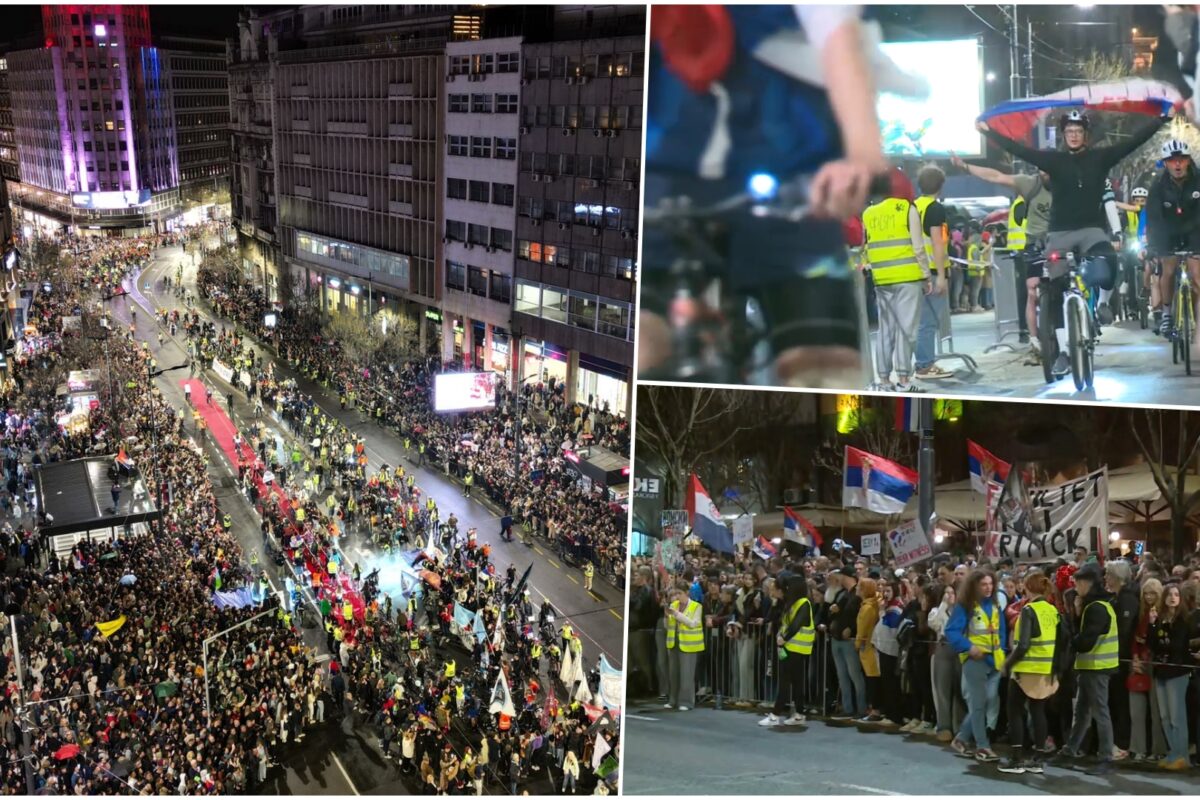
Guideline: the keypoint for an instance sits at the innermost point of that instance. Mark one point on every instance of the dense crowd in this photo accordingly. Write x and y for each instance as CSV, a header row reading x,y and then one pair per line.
x,y
115,695
967,653
550,496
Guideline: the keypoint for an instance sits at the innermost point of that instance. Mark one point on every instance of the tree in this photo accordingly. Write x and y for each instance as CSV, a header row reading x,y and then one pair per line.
x,y
360,341
1169,463
684,426
399,335
874,432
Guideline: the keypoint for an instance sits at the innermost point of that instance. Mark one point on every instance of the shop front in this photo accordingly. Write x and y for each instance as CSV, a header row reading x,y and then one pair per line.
x,y
601,384
542,362
500,359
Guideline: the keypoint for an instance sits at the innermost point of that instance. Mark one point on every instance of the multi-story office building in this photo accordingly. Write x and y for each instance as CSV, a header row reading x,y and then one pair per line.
x,y
94,126
9,165
483,85
200,100
578,201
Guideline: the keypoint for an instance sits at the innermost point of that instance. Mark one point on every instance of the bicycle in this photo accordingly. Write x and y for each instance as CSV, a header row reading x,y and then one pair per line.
x,y
1079,314
1183,323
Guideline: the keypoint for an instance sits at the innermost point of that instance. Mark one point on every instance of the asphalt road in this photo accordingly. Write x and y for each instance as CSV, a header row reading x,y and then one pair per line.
x,y
709,752
344,757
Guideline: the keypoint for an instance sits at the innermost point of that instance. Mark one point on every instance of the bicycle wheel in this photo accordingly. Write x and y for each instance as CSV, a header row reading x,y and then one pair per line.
x,y
1186,328
1046,337
1077,342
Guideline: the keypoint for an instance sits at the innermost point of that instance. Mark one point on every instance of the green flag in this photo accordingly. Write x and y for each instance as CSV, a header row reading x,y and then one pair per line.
x,y
606,767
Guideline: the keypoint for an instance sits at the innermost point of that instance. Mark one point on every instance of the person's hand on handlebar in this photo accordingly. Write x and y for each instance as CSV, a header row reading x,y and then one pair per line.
x,y
840,188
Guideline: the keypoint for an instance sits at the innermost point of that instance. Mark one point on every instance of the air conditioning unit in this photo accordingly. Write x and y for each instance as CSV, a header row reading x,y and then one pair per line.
x,y
524,131
568,131
582,79
569,81
595,231
611,133
491,249
597,133
537,223
791,497
445,240
591,183
626,234
627,185
524,81
537,177
562,226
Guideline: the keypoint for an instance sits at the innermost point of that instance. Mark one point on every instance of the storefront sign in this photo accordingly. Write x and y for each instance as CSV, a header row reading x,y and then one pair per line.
x,y
646,488
436,316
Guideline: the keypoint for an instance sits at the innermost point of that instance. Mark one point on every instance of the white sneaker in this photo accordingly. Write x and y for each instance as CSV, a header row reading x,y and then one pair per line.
x,y
908,726
667,705
925,729
770,721
683,708
795,719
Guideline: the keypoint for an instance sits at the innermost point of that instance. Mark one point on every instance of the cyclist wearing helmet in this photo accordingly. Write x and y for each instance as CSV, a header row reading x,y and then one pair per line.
x,y
1079,174
1173,221
1135,243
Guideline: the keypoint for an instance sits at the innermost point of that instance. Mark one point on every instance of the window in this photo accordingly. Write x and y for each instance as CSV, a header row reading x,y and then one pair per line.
x,y
481,104
460,65
614,320
612,218
554,305
456,188
456,231
501,289
507,62
529,298
478,235
477,281
503,194
506,149
458,104
484,63
456,276
583,312
502,239
506,104
479,191
589,261
616,267
525,249
481,146
456,145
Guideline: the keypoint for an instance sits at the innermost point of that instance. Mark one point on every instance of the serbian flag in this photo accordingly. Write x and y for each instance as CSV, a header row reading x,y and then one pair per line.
x,y
764,549
798,529
875,483
908,415
123,459
706,520
985,468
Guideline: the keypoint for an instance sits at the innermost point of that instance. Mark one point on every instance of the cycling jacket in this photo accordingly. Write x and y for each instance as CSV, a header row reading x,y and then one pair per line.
x,y
1173,208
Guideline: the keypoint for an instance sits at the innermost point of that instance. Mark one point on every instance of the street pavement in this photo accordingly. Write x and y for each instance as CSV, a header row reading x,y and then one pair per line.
x,y
710,752
344,756
1132,366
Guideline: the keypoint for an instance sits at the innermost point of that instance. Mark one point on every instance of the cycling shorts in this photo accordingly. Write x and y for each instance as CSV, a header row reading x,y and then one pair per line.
x,y
1168,242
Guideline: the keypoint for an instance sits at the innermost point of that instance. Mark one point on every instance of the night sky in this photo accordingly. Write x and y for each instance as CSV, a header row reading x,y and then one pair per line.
x,y
24,22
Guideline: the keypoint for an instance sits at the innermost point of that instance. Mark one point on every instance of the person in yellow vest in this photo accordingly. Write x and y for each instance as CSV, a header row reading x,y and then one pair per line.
x,y
935,228
900,271
685,643
794,643
978,257
1097,659
1032,680
977,632
589,571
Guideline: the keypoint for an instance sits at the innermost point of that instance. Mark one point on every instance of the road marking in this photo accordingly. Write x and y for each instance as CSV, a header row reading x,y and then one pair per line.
x,y
553,563
598,598
572,577
613,611
856,787
539,550
345,775
644,719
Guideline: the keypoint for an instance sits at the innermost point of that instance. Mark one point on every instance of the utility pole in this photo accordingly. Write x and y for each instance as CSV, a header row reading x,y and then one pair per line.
x,y
926,475
1014,57
1029,59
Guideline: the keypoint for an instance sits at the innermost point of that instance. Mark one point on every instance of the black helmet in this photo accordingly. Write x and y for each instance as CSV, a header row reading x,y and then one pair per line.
x,y
1074,117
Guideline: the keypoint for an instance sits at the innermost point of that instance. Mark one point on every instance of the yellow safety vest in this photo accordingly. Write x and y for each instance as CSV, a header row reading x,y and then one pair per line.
x,y
1131,222
890,251
1105,654
1039,659
1016,233
922,203
691,639
984,633
974,262
802,641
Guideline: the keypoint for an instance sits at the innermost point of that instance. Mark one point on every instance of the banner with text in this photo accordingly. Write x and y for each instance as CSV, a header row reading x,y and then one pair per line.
x,y
871,544
743,530
909,544
223,371
1068,516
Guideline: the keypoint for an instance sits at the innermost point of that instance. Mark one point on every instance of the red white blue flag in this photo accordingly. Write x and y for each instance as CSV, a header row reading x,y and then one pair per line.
x,y
876,484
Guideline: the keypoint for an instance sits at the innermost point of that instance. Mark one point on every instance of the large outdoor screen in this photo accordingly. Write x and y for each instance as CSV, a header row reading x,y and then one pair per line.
x,y
945,120
464,391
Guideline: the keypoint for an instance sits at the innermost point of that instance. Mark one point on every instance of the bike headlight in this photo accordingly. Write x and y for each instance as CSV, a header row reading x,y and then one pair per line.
x,y
762,186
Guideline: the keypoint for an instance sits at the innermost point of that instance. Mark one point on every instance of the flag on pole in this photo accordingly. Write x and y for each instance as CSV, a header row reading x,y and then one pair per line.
x,y
1014,509
600,749
764,549
908,414
706,520
584,693
123,459
875,483
985,467
502,698
112,626
798,529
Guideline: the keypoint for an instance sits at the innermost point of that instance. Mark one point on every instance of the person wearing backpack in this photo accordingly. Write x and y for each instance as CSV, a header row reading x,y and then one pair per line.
x,y
1030,668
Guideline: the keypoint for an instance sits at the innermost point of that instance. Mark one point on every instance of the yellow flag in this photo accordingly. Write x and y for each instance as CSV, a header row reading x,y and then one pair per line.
x,y
112,626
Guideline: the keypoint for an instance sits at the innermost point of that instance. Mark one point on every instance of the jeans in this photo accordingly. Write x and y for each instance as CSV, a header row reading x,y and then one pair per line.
x,y
947,695
1091,702
981,688
851,679
933,306
1172,702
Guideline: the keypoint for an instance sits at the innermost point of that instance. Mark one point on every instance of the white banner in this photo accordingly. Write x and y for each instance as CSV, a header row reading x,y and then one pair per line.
x,y
244,378
909,544
223,372
871,544
743,530
1070,515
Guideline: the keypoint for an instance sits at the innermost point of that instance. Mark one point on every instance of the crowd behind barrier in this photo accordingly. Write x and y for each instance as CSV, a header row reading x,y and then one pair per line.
x,y
899,660
114,692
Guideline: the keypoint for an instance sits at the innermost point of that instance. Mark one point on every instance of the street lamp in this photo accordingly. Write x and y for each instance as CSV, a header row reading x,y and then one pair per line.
x,y
990,77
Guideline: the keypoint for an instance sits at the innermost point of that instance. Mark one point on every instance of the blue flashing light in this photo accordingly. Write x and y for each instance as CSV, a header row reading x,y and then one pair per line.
x,y
762,186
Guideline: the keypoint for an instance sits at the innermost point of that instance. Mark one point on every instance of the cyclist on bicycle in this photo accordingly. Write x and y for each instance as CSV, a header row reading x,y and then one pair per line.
x,y
1173,221
1078,217
723,108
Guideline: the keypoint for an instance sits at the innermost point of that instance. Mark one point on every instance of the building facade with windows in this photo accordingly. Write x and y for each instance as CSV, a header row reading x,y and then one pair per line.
x,y
200,104
578,195
483,86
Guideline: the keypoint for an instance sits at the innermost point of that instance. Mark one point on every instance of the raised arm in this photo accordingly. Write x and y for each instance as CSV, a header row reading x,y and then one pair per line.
x,y
1039,158
984,173
1113,154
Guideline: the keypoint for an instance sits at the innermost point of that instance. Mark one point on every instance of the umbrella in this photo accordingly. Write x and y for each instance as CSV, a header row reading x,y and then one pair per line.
x,y
108,555
166,689
66,751
128,580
